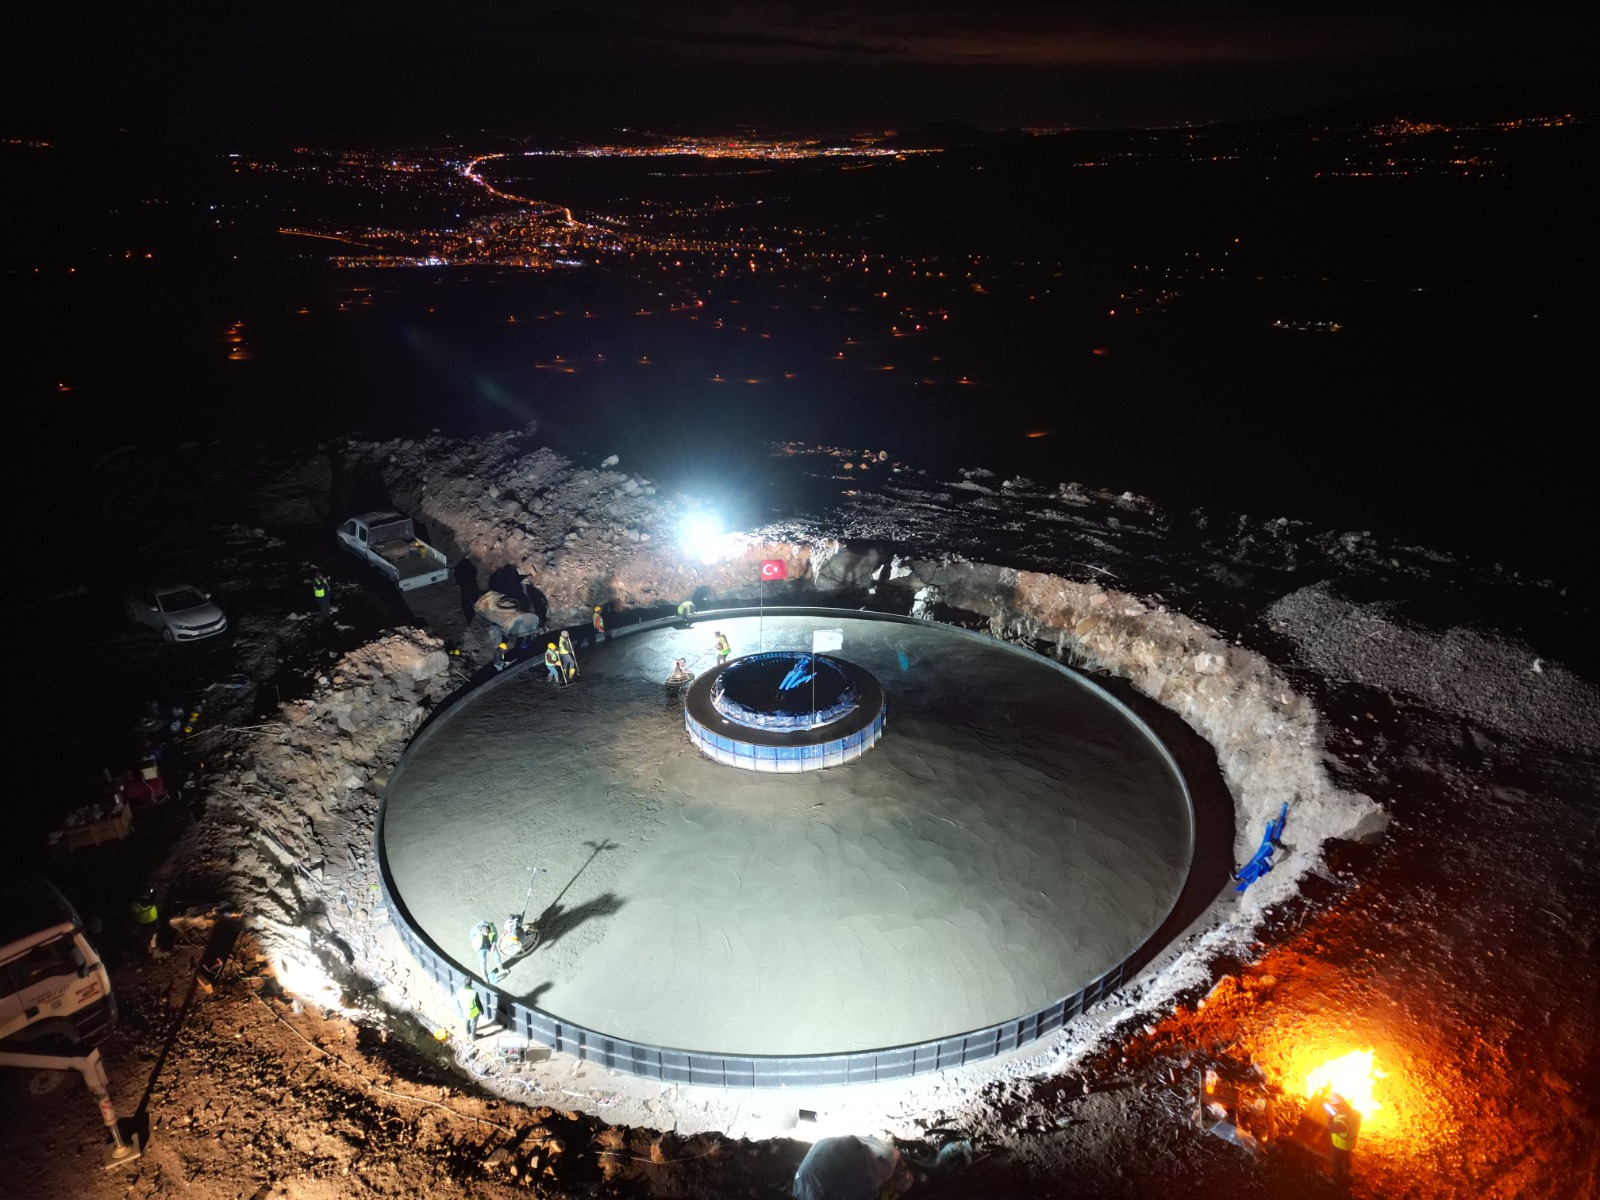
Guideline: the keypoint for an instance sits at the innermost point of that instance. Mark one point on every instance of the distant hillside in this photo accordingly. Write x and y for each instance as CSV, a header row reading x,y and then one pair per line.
x,y
1577,94
947,135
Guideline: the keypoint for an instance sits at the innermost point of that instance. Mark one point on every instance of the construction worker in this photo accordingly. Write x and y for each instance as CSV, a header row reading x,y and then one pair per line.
x,y
724,648
1344,1125
163,938
319,590
685,611
569,659
599,623
470,1007
552,663
146,920
486,941
502,656
511,935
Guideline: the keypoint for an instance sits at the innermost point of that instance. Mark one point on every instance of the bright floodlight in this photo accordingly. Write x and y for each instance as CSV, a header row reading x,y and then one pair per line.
x,y
700,535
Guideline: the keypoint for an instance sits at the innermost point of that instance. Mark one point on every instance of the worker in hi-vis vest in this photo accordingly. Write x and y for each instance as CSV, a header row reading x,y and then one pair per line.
x,y
569,658
469,1006
552,663
1344,1125
724,648
486,941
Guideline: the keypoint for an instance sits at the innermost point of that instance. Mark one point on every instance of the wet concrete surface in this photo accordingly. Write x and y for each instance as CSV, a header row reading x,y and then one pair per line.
x,y
1014,836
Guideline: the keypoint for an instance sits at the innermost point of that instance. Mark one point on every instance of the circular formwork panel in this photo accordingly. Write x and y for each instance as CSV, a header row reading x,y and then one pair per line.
x,y
784,734
985,873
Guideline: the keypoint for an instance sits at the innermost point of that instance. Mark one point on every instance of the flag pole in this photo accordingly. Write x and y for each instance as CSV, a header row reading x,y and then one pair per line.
x,y
813,724
761,608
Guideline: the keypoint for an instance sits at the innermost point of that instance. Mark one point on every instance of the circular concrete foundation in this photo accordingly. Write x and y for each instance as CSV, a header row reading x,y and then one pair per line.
x,y
985,873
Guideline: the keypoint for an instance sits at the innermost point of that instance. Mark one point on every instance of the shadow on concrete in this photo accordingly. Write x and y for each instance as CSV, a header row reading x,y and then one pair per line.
x,y
596,849
555,922
501,1009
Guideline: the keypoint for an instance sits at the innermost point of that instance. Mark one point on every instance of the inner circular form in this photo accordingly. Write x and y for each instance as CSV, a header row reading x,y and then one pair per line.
x,y
1018,836
784,689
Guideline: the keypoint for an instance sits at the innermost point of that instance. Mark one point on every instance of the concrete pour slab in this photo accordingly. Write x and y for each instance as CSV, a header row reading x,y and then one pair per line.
x,y
1015,835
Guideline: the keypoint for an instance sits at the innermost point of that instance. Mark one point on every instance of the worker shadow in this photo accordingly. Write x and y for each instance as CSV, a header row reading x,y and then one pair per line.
x,y
556,921
502,1007
466,577
213,961
509,582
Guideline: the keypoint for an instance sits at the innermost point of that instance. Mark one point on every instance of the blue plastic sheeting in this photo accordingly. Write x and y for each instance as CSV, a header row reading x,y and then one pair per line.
x,y
754,756
1261,862
786,721
795,712
803,671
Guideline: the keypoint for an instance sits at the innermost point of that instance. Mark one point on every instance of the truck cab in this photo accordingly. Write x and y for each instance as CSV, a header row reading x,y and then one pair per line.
x,y
55,994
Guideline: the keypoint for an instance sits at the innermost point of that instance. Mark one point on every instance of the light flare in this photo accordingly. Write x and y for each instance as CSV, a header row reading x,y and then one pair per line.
x,y
701,536
1352,1076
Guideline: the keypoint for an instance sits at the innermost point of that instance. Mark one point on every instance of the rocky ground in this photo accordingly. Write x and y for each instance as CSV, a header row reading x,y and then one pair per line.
x,y
1448,924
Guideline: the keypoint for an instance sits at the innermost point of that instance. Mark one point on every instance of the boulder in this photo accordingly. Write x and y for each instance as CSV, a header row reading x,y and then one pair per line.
x,y
848,568
426,666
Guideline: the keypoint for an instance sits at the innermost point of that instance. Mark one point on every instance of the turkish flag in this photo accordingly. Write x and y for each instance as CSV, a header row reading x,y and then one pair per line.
x,y
774,568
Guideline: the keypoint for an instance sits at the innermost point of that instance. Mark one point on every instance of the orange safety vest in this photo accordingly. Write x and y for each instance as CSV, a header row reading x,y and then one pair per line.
x,y
599,623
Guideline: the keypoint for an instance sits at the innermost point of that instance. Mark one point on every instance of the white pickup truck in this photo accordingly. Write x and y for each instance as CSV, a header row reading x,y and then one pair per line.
x,y
388,541
54,991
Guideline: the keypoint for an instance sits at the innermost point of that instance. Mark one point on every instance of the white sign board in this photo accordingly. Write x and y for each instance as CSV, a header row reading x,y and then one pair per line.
x,y
823,640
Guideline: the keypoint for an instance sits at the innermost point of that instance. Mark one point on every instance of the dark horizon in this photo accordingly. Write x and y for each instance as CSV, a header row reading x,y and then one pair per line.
x,y
413,69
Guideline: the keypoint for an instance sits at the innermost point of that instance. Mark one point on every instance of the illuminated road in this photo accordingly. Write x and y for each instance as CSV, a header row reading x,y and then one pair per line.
x,y
542,208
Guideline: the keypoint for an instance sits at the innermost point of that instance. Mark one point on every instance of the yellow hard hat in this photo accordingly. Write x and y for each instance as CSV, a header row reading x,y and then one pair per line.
x,y
597,608
549,645
502,645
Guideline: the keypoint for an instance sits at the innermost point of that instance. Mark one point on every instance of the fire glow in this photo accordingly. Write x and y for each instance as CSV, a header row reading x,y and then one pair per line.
x,y
1351,1076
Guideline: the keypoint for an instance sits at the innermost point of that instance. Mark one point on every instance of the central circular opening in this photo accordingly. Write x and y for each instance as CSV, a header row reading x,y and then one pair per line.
x,y
785,710
782,689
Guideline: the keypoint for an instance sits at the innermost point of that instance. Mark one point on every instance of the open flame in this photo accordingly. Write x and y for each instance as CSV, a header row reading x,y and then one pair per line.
x,y
1351,1076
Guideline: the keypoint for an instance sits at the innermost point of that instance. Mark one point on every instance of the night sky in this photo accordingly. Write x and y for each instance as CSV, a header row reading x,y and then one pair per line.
x,y
400,68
